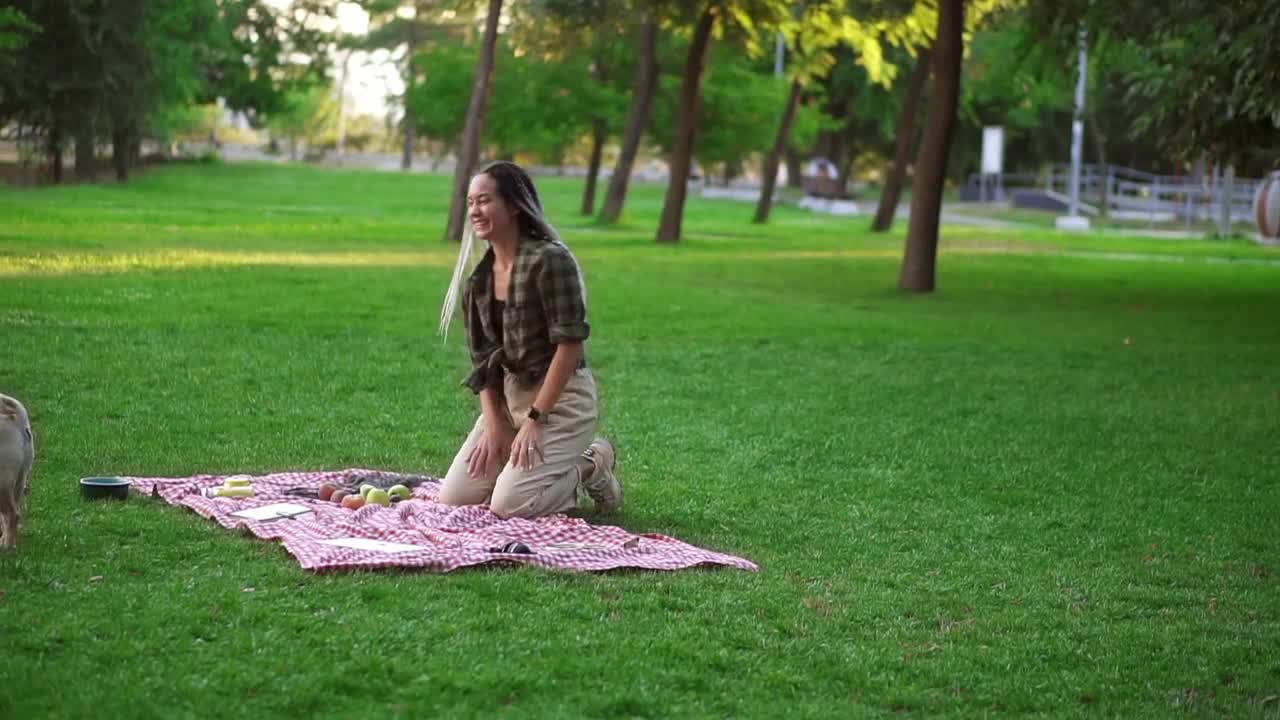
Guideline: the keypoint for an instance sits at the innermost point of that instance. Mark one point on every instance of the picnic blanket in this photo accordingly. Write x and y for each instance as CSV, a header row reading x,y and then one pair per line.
x,y
420,532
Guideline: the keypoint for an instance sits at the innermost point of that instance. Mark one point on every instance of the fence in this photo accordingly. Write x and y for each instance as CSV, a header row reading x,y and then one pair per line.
x,y
1125,193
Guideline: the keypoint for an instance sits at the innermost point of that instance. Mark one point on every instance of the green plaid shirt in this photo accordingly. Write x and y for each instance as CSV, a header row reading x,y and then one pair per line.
x,y
545,306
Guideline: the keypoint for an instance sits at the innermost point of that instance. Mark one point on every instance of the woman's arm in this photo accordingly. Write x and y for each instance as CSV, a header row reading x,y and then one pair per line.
x,y
495,442
563,363
528,442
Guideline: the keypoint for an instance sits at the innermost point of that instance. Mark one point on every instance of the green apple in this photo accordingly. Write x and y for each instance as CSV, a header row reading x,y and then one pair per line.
x,y
378,497
400,491
365,488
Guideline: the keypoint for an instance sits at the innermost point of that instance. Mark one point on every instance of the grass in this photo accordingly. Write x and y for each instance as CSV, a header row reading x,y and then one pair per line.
x,y
1050,488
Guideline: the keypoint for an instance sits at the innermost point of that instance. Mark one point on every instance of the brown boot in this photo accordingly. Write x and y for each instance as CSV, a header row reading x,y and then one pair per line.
x,y
600,483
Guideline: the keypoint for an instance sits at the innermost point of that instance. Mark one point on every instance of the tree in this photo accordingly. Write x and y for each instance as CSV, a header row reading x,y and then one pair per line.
x,y
646,83
920,254
906,140
1207,79
436,103
822,26
409,26
90,70
561,29
307,114
746,19
737,104
686,126
470,145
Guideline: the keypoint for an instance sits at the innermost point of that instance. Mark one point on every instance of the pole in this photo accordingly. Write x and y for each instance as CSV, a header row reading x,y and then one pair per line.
x,y
779,51
1077,131
1073,221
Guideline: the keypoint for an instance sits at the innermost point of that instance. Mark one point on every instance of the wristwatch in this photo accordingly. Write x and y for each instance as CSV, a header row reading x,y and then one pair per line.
x,y
535,414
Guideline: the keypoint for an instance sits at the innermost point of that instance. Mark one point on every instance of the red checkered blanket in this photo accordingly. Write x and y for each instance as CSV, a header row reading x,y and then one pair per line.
x,y
420,532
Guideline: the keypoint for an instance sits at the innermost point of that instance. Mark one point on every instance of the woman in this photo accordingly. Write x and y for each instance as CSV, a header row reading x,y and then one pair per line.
x,y
524,309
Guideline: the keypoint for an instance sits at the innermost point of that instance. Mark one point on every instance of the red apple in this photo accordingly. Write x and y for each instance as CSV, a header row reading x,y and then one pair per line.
x,y
337,496
327,490
352,502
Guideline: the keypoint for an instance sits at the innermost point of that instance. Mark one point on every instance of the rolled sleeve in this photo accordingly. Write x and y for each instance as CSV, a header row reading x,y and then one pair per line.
x,y
563,298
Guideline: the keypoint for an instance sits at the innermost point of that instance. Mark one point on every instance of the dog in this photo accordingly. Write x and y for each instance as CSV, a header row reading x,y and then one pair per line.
x,y
17,455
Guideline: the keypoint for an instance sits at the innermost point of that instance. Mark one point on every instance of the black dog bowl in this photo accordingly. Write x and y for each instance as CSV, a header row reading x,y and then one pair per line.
x,y
97,488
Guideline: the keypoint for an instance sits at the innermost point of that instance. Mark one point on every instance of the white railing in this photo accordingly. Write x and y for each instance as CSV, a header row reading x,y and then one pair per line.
x,y
1125,192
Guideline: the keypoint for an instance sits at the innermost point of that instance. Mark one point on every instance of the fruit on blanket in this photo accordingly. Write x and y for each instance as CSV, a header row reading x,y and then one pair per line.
x,y
400,491
353,502
327,490
378,497
365,488
234,492
338,495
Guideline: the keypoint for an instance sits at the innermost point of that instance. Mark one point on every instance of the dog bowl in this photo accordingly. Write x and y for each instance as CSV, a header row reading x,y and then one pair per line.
x,y
97,488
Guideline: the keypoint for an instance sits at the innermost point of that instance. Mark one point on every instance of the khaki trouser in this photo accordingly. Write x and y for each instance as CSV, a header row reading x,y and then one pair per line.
x,y
551,486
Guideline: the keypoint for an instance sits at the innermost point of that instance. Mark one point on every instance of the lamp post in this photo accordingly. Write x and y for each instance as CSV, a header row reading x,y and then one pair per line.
x,y
1073,220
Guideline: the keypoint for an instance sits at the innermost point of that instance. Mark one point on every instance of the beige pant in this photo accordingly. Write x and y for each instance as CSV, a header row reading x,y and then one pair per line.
x,y
551,486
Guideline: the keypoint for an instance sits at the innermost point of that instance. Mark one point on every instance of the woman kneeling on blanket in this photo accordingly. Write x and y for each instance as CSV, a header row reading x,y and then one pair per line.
x,y
524,309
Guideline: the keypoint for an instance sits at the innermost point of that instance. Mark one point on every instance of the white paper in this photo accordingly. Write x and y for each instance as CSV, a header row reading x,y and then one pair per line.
x,y
370,544
275,511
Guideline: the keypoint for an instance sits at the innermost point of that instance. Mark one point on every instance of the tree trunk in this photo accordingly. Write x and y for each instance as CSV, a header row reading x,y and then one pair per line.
x,y
342,107
1100,147
770,172
470,149
794,169
637,118
55,153
598,135
1224,200
406,147
593,168
120,150
407,132
905,141
86,160
686,126
845,170
920,257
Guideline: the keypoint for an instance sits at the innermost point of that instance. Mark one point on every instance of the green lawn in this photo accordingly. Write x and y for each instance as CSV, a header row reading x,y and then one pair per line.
x,y
1050,488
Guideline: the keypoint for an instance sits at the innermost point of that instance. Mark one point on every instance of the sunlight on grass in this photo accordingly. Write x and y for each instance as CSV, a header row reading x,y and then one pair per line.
x,y
72,263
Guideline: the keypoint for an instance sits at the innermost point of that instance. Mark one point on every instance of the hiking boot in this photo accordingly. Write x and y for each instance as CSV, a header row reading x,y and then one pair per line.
x,y
601,484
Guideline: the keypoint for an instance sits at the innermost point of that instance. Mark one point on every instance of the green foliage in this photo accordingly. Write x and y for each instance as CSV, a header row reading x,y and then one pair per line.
x,y
1008,70
262,53
737,115
306,114
128,68
438,99
536,108
542,109
1207,79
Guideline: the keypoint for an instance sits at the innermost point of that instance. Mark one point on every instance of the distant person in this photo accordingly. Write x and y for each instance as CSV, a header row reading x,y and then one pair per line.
x,y
525,313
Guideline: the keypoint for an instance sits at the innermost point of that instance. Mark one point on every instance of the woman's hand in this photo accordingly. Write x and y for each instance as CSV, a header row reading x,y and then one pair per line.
x,y
526,450
490,452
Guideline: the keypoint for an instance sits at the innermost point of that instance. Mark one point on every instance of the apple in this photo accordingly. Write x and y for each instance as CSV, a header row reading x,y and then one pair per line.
x,y
352,502
327,490
365,488
400,491
378,497
338,495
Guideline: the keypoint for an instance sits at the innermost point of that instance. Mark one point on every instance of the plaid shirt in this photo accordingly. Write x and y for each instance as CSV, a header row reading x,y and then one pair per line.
x,y
545,306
